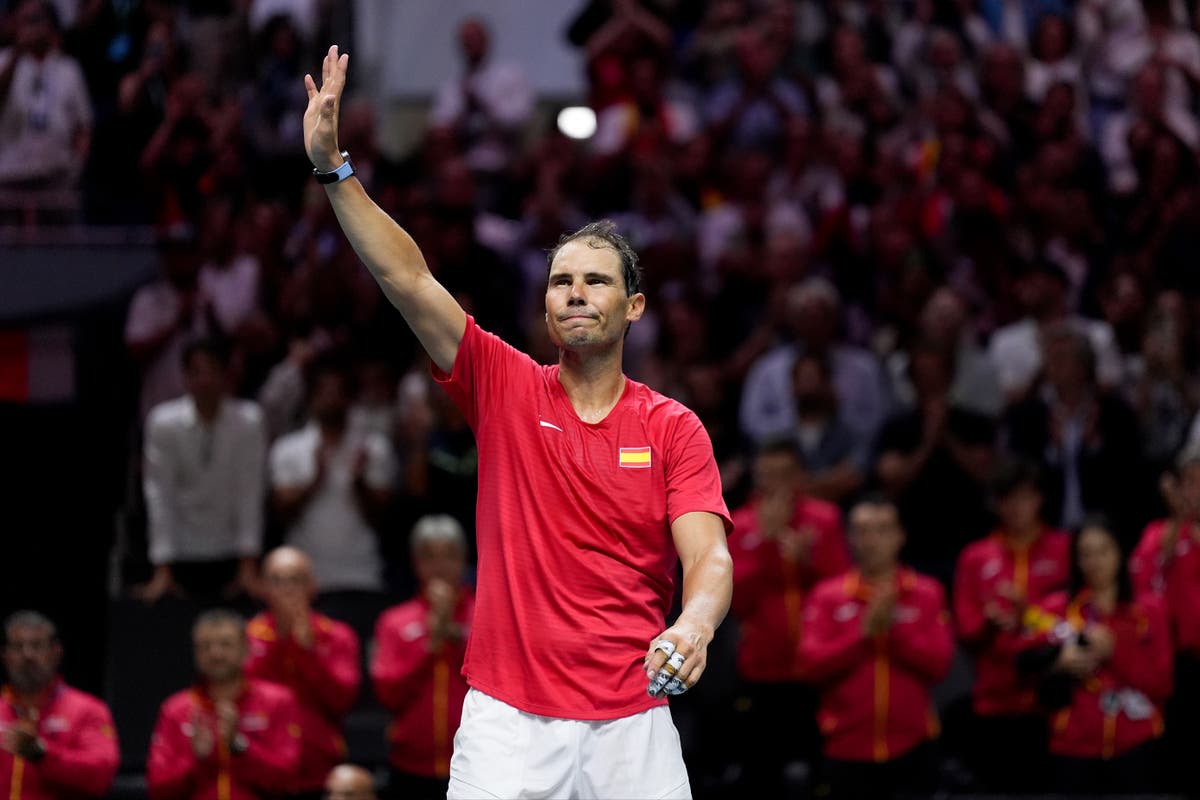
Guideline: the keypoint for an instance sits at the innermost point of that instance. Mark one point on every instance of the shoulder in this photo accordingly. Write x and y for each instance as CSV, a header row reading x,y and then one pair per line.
x,y
398,616
1055,602
84,702
178,704
920,584
829,590
294,443
268,693
820,512
663,413
247,412
335,629
167,414
1152,534
260,628
977,551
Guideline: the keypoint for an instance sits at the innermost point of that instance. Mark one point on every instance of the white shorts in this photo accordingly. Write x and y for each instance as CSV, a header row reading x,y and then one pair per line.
x,y
501,752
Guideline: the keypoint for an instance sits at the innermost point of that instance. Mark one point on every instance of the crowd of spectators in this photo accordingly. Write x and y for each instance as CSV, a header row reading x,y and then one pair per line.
x,y
933,249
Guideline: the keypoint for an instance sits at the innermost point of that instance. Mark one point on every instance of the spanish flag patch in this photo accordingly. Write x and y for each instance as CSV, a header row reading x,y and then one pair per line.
x,y
634,457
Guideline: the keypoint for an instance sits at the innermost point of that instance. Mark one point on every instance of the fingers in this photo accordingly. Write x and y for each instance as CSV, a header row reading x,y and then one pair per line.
x,y
310,87
671,670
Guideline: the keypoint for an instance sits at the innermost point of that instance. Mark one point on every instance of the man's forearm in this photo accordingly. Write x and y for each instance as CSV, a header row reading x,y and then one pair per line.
x,y
384,247
708,589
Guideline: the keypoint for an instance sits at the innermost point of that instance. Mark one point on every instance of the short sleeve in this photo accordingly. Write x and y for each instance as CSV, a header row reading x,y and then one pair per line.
x,y
483,367
692,478
288,466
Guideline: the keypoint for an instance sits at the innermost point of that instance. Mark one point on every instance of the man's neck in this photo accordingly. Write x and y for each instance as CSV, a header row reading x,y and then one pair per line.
x,y
30,698
593,383
1023,536
879,577
225,690
208,409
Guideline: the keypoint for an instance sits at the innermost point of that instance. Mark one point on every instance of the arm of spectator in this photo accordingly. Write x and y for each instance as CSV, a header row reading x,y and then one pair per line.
x,y
829,648
8,71
836,484
384,247
375,480
158,483
926,646
88,764
272,754
1143,657
974,626
172,769
629,19
251,484
400,667
330,673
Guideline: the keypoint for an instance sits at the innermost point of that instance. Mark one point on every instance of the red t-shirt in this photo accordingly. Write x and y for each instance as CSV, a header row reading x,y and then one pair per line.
x,y
576,567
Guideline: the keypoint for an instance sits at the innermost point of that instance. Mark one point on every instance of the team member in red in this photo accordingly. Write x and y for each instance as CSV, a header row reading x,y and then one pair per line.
x,y
55,741
876,641
314,656
783,543
1113,656
1166,564
417,665
995,580
229,737
593,489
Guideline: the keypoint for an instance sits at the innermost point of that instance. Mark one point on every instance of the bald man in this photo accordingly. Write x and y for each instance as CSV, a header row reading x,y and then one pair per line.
x,y
313,655
349,782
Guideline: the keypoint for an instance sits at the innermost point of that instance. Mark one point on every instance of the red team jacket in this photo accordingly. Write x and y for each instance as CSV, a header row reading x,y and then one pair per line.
x,y
270,721
1174,577
875,692
325,680
81,747
423,690
983,569
769,591
1118,707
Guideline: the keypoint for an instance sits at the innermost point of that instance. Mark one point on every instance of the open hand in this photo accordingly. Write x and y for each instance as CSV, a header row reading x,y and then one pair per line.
x,y
321,116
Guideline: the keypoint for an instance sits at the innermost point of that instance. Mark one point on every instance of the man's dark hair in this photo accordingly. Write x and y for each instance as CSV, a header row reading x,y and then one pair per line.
x,y
213,347
336,362
603,233
874,497
220,616
1013,473
785,444
27,618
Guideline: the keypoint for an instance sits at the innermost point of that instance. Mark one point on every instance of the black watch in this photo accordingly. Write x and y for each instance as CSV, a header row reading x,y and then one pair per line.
x,y
336,175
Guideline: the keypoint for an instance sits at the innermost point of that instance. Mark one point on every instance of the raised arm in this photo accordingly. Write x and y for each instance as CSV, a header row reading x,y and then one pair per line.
x,y
387,250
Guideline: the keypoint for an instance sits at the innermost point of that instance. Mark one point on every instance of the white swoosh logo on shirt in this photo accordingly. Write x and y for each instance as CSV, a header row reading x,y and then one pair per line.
x,y
545,424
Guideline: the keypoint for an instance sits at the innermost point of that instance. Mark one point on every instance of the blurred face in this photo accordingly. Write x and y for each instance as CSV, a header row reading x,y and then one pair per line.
x,y
289,579
330,398
875,536
31,658
439,560
1020,510
776,472
1189,485
204,377
1099,558
943,318
1065,369
34,29
586,304
220,649
473,40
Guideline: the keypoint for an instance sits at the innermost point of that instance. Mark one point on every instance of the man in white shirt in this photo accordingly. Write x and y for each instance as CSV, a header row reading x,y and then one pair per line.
x,y
163,317
332,484
488,104
45,111
204,479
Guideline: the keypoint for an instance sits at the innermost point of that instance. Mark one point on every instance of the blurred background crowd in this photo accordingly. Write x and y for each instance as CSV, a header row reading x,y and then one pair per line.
x,y
928,244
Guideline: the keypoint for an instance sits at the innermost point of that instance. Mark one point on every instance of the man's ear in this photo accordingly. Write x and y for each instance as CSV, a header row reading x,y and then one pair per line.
x,y
637,307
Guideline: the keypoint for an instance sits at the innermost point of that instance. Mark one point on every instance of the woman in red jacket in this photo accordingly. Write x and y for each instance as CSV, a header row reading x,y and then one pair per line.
x,y
1107,666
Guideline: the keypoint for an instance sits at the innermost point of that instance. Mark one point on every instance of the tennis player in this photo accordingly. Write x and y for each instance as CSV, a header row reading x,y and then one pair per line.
x,y
592,490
